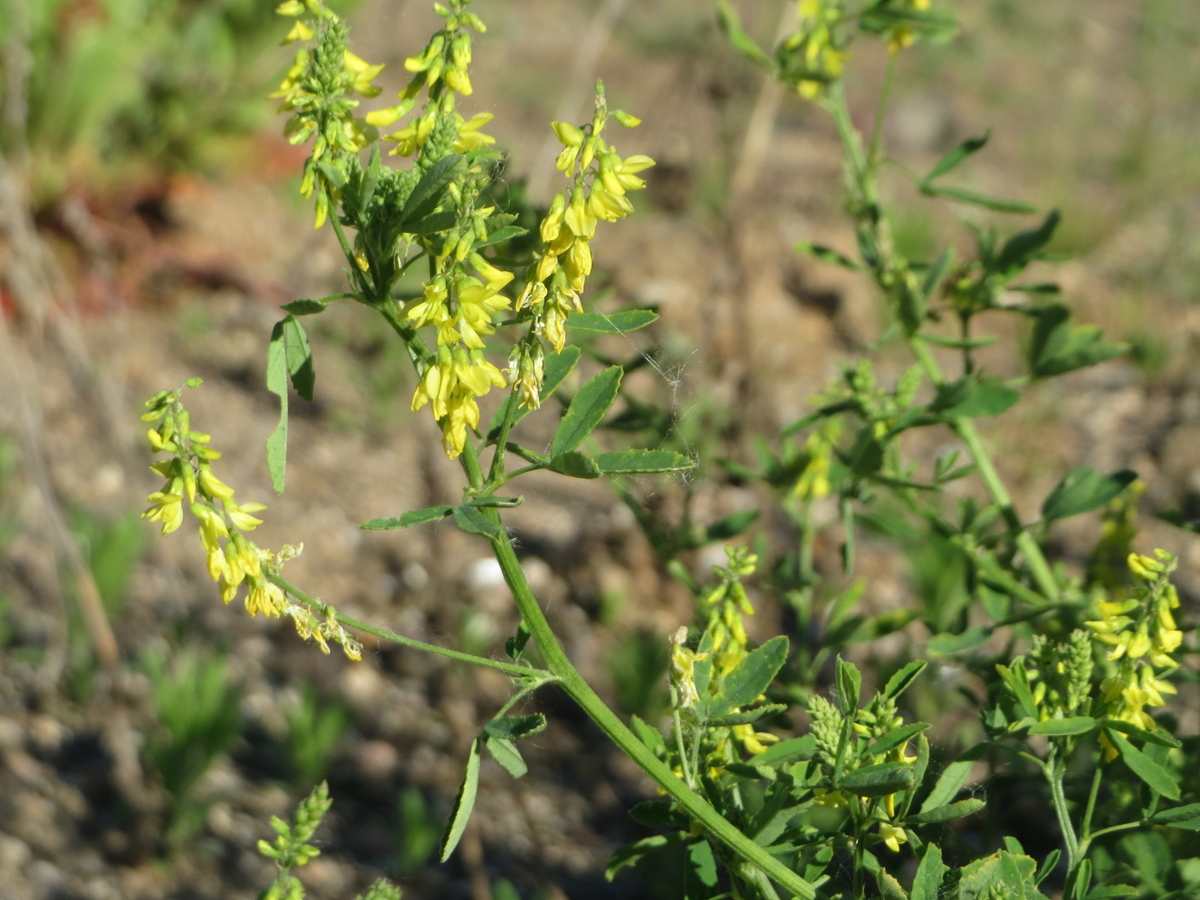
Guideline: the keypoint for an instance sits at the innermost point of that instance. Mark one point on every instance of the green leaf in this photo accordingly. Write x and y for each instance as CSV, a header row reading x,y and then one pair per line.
x,y
506,753
1084,489
648,734
1019,249
899,682
970,398
827,254
1113,890
877,781
849,685
1145,768
632,853
731,27
928,882
889,887
947,644
619,322
1047,866
954,158
959,810
299,357
952,779
962,195
431,189
1057,347
557,367
499,236
730,526
1064,727
935,273
659,814
463,803
586,410
629,462
515,727
751,676
472,521
785,751
277,375
896,737
574,464
747,718
1185,817
305,307
700,877
410,518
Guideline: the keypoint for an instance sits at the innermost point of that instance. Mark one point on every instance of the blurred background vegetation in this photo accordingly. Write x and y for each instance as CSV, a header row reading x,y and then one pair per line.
x,y
149,226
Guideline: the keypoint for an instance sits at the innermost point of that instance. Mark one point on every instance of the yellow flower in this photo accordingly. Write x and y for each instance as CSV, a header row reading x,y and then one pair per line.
x,y
212,486
892,836
469,135
241,516
299,32
167,508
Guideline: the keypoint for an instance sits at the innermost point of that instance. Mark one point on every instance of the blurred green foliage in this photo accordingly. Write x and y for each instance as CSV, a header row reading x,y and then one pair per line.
x,y
117,87
199,715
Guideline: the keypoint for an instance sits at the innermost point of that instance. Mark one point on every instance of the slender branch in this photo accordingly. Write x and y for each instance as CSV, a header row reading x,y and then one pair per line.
x,y
1113,828
866,211
316,605
496,473
1086,828
885,96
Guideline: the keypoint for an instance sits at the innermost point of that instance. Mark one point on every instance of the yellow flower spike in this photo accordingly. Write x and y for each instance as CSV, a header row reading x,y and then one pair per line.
x,y
290,8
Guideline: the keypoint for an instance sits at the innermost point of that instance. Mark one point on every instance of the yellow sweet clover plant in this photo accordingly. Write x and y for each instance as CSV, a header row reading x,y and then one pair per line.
x,y
832,810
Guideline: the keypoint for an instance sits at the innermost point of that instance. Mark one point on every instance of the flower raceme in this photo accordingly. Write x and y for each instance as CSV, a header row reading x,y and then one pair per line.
x,y
232,559
601,181
1142,635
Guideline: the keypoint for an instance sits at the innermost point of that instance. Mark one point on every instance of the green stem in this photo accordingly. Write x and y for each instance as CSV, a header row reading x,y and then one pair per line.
x,y
683,753
1054,777
885,95
582,693
317,606
1109,830
496,475
1086,828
